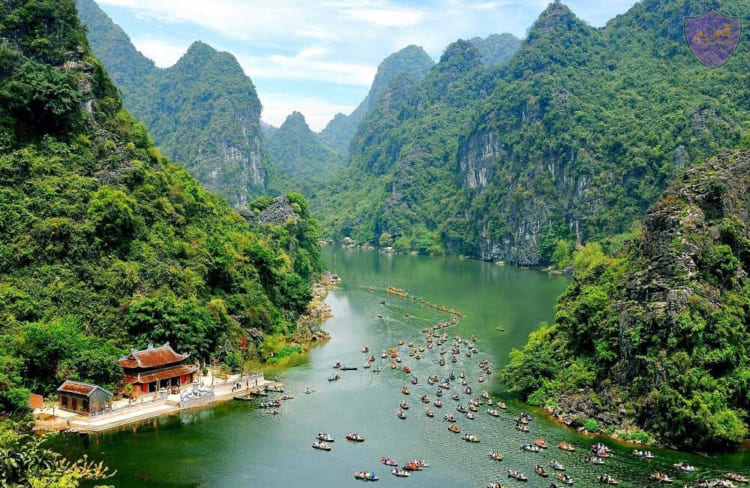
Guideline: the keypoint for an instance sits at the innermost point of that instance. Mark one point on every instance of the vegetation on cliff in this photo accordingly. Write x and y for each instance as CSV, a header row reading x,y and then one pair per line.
x,y
106,244
656,336
203,112
571,140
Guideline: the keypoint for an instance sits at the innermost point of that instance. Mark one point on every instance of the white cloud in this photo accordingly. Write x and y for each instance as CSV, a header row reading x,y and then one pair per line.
x,y
163,53
385,17
317,111
306,66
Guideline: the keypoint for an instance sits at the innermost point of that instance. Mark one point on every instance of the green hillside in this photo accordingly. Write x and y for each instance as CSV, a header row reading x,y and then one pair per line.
x,y
570,141
106,244
203,112
656,336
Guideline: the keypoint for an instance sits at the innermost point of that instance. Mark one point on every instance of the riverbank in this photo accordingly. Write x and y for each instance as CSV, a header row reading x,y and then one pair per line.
x,y
125,411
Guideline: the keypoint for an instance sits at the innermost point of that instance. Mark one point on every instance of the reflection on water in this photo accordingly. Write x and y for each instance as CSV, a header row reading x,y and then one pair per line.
x,y
238,445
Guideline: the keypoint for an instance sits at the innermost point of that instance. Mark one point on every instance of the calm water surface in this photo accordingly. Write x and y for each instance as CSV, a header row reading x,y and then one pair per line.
x,y
236,445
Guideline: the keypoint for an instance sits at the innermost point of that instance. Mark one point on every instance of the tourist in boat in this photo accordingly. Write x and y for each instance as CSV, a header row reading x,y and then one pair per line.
x,y
565,478
388,461
400,473
366,476
566,447
529,448
404,405
683,466
401,414
449,417
321,445
337,364
414,380
322,436
365,348
661,477
494,413
737,478
556,465
438,403
429,412
354,437
454,428
496,456
471,438
425,399
607,479
540,443
540,471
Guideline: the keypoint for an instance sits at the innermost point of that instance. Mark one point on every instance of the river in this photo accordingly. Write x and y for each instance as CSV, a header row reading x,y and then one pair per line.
x,y
236,444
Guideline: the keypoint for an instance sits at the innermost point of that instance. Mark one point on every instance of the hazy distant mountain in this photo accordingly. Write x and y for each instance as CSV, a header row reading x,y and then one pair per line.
x,y
203,112
497,48
411,60
296,150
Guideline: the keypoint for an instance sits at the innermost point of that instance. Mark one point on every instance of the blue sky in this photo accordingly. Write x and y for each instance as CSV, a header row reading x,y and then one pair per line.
x,y
319,57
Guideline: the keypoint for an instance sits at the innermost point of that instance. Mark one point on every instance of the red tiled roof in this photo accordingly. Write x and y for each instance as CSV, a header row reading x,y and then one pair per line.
x,y
161,374
152,357
79,388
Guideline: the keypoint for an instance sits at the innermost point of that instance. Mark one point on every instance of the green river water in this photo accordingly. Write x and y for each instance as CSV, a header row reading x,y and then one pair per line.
x,y
236,444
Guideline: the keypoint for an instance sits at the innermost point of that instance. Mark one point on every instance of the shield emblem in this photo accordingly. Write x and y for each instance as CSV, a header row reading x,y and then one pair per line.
x,y
712,37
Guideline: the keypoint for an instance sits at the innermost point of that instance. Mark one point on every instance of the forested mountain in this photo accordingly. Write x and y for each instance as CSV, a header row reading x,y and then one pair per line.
x,y
411,60
203,112
571,140
295,150
656,336
497,48
106,244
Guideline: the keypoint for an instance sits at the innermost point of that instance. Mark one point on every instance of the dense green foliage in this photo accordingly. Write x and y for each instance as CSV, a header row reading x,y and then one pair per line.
x,y
660,329
411,60
106,244
401,178
571,140
203,112
25,461
295,150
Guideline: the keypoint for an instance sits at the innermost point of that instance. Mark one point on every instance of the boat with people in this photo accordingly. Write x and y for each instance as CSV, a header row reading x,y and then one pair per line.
x,y
661,477
593,459
429,412
500,405
564,478
405,390
566,447
540,443
322,436
493,412
366,476
454,428
425,399
517,475
401,414
323,446
354,437
455,396
401,473
419,463
407,369
683,466
412,466
414,380
438,403
388,461
643,454
607,480
737,478
470,415
461,409
556,465
334,377
404,405
538,469
366,365
522,427
496,455
448,417
468,390
529,448
337,365
470,438
365,349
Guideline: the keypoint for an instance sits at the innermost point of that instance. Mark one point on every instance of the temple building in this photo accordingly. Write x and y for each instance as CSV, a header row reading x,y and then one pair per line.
x,y
153,368
83,398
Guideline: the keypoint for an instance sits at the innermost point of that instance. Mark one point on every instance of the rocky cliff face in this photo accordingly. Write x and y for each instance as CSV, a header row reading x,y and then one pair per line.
x,y
203,112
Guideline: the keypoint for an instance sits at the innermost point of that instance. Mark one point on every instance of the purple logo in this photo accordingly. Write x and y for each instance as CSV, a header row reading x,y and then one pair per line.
x,y
712,37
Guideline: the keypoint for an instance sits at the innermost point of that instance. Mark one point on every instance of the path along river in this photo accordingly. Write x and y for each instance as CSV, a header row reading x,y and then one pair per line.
x,y
237,444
